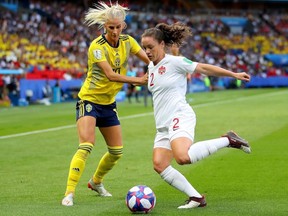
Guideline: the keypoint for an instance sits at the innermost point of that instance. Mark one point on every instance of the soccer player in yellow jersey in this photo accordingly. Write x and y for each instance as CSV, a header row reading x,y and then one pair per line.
x,y
107,67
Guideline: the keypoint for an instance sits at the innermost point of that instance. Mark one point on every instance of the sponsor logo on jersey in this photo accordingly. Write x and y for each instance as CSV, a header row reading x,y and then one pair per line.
x,y
88,107
97,54
161,70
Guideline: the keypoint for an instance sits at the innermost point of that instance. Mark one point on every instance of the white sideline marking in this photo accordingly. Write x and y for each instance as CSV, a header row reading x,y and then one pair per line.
x,y
145,114
65,127
36,132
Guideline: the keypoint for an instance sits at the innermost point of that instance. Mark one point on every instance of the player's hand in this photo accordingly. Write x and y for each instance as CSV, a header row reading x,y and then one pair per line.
x,y
243,76
143,80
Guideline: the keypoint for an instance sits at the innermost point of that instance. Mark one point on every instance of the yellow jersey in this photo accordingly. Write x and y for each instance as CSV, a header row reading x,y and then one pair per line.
x,y
97,88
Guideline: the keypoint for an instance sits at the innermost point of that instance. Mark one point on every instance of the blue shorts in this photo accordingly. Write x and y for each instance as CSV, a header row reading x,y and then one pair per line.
x,y
106,115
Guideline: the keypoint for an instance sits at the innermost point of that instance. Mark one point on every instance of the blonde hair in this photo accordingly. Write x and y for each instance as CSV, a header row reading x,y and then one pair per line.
x,y
102,13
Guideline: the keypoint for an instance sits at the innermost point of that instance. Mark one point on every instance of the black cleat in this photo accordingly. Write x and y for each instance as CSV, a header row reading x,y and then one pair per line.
x,y
237,142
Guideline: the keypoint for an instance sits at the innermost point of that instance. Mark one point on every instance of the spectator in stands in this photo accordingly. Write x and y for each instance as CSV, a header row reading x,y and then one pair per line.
x,y
2,87
43,22
13,87
107,69
249,27
47,90
59,90
47,93
4,99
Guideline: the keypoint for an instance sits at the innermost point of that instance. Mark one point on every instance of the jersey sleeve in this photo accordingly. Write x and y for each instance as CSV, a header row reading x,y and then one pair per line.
x,y
135,47
96,53
185,65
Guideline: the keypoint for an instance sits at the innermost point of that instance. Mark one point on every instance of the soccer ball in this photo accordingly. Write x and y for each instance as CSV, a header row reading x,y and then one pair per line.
x,y
140,199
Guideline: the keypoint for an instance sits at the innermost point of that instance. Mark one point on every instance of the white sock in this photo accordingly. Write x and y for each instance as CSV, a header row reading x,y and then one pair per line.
x,y
177,180
202,149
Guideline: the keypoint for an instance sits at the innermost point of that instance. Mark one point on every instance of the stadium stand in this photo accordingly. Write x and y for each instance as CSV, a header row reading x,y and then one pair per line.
x,y
42,40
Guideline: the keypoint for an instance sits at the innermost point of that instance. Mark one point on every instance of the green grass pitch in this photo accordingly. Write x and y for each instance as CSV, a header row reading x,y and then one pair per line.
x,y
34,161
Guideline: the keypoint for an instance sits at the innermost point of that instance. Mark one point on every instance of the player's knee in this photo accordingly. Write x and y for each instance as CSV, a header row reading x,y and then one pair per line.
x,y
182,159
158,166
158,169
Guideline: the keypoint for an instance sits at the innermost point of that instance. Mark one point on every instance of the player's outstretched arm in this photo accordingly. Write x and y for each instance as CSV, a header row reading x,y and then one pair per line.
x,y
242,76
212,70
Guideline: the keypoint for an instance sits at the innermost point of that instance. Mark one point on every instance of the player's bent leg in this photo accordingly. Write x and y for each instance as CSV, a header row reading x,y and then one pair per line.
x,y
180,147
162,157
203,149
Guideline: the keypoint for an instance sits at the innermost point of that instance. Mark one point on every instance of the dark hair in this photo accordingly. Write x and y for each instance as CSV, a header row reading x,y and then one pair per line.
x,y
171,34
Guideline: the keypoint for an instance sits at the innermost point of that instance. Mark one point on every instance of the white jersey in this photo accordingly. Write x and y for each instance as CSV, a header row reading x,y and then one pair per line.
x,y
168,83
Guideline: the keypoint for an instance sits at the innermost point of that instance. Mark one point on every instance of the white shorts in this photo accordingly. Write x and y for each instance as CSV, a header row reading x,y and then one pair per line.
x,y
182,125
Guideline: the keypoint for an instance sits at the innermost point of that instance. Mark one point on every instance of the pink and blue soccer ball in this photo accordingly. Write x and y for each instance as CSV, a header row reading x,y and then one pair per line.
x,y
140,199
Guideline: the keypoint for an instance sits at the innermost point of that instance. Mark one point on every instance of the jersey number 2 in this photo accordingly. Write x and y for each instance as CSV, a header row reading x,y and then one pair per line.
x,y
152,79
175,126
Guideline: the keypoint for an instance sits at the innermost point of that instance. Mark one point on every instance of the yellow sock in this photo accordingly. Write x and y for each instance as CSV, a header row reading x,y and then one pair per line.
x,y
107,162
77,166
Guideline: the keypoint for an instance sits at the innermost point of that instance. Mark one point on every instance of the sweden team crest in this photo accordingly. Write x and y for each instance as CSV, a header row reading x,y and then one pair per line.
x,y
88,107
117,62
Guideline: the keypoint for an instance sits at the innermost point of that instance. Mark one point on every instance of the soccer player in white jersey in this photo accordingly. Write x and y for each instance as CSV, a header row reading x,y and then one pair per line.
x,y
175,119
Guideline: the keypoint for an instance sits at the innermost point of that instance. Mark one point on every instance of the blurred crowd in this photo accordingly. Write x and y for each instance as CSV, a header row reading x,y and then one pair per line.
x,y
51,36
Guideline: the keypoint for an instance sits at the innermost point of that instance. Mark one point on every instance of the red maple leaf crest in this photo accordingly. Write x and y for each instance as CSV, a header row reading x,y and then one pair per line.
x,y
161,70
